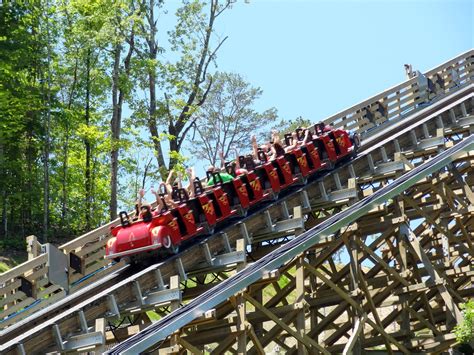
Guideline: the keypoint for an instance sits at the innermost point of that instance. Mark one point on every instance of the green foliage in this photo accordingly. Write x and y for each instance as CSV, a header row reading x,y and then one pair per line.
x,y
13,244
287,126
3,267
22,111
82,37
180,161
464,330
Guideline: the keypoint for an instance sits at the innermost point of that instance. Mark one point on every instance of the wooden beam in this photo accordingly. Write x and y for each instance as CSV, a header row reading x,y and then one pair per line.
x,y
356,330
307,341
355,305
434,274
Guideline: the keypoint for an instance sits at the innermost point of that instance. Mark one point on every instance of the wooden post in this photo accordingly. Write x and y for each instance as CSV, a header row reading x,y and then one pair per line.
x,y
100,327
404,271
300,318
241,308
354,266
33,247
174,339
313,282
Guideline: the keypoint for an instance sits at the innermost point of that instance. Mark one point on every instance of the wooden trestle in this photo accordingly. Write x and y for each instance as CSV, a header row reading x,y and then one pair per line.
x,y
391,281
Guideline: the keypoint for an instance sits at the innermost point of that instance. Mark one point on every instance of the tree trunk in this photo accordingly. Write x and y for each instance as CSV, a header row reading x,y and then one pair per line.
x,y
118,96
47,137
64,177
183,122
88,145
4,214
4,191
153,50
152,121
46,175
174,146
115,128
66,151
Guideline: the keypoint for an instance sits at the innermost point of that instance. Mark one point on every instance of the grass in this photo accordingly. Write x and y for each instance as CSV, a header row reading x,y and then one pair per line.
x,y
3,267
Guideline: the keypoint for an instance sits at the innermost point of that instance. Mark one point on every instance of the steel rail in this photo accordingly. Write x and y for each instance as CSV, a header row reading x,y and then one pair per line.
x,y
17,332
163,328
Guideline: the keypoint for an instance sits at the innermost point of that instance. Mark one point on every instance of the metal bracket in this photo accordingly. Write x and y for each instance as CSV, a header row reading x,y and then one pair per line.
x,y
77,263
113,307
268,222
83,321
235,257
284,208
390,167
466,121
428,143
344,194
225,240
245,233
289,224
57,266
77,342
159,279
21,349
305,204
180,267
163,296
207,254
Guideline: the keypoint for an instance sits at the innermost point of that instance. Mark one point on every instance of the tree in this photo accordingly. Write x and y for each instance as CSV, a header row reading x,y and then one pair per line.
x,y
22,102
176,88
287,126
88,29
227,119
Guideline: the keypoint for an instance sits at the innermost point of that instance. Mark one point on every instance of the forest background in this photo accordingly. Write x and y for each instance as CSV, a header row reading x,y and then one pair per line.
x,y
101,97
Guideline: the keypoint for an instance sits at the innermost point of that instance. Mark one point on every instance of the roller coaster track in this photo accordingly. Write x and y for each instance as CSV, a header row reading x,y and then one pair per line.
x,y
294,248
425,122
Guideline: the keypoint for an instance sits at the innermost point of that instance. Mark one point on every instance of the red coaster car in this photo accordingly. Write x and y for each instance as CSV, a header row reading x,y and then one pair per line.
x,y
251,180
154,231
282,167
236,191
334,145
265,171
209,206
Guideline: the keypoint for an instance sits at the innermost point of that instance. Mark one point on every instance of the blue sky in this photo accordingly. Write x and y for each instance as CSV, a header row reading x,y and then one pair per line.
x,y
316,58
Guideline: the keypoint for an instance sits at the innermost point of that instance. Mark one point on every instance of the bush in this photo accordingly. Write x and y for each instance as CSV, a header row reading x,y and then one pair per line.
x,y
463,331
13,243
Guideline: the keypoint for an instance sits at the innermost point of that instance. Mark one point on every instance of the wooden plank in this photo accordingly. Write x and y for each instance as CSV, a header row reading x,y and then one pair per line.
x,y
48,291
11,300
90,269
11,286
460,58
38,274
434,274
88,237
22,268
44,303
188,346
356,330
99,244
20,305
